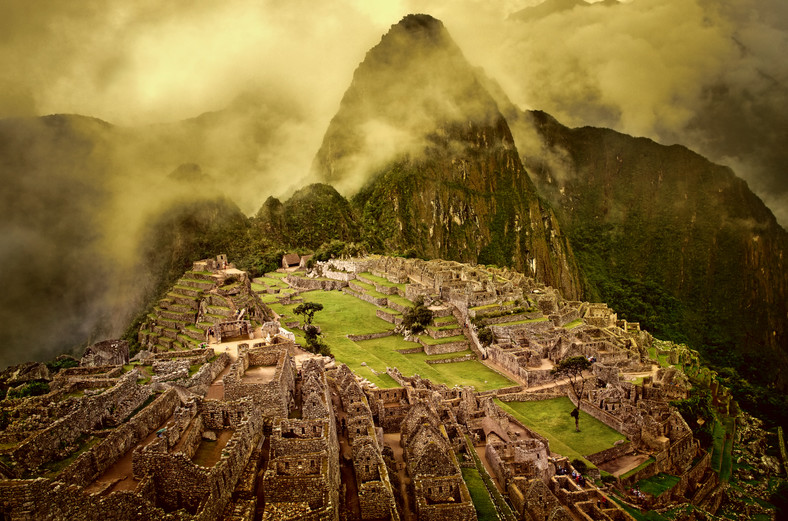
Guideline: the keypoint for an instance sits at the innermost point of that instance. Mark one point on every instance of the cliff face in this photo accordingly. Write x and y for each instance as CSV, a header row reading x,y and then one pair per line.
x,y
432,162
663,234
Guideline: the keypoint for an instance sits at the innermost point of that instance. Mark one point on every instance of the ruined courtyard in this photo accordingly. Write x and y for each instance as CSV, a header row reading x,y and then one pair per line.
x,y
224,415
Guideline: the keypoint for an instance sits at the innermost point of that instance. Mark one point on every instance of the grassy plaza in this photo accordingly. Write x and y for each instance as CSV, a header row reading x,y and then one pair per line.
x,y
344,314
551,419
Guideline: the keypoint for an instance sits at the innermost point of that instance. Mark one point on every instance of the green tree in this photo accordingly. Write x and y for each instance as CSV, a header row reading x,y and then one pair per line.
x,y
308,310
573,368
698,412
417,317
486,336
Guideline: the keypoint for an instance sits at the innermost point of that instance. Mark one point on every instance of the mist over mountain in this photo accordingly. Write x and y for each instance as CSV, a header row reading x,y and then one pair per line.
x,y
88,237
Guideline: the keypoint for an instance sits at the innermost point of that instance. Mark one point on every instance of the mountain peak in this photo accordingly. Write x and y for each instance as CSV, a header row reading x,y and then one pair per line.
x,y
412,84
420,23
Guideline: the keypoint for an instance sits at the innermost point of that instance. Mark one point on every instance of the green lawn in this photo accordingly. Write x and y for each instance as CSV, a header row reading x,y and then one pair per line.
x,y
551,419
344,314
573,324
658,485
485,509
438,341
402,301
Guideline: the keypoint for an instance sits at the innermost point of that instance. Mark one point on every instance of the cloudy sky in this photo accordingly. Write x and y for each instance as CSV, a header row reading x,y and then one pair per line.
x,y
710,74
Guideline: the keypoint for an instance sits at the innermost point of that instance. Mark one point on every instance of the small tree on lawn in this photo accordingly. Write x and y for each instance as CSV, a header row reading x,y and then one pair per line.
x,y
573,368
308,310
418,317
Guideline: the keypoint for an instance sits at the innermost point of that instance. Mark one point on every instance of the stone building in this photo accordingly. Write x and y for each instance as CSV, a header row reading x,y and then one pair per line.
x,y
302,480
267,375
439,490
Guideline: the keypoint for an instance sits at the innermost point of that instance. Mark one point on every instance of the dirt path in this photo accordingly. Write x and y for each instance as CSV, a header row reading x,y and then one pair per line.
x,y
393,440
481,450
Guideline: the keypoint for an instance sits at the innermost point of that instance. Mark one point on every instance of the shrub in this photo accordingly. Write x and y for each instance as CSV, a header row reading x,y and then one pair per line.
x,y
31,389
579,465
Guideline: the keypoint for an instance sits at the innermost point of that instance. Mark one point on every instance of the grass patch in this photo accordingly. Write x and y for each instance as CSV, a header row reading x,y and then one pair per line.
x,y
53,468
382,281
485,508
344,314
573,324
438,341
658,485
449,319
501,506
551,419
402,301
519,322
638,468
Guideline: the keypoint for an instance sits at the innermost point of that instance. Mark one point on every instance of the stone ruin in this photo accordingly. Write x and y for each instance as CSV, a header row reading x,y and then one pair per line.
x,y
108,352
284,440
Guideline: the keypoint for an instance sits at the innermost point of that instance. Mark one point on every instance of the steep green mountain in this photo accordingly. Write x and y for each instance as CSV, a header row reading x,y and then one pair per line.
x,y
431,162
314,215
668,238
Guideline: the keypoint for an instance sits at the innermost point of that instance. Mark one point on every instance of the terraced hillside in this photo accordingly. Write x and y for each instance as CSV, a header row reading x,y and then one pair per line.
x,y
197,302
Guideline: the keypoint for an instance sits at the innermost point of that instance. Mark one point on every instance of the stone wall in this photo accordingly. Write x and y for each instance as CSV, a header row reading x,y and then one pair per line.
x,y
440,349
307,283
180,483
370,336
466,358
338,275
208,372
366,297
274,396
45,445
622,449
389,317
91,464
443,499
